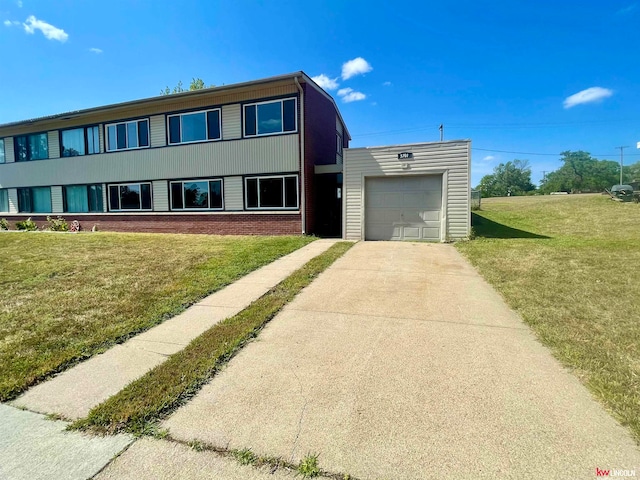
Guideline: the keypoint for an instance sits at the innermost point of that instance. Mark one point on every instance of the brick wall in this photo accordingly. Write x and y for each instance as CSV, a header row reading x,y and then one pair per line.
x,y
276,224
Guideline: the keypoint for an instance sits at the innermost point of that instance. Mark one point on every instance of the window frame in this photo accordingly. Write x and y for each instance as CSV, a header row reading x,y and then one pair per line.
x,y
191,180
281,101
5,191
206,123
125,123
120,209
3,158
27,135
31,200
86,140
284,193
87,186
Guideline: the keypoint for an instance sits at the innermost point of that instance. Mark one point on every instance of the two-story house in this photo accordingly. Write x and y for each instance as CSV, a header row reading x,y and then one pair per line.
x,y
261,157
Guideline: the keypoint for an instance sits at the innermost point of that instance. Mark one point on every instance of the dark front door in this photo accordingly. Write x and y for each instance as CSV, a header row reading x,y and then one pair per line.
x,y
328,205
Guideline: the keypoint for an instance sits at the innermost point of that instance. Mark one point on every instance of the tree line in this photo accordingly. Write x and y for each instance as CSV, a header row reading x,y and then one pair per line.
x,y
579,173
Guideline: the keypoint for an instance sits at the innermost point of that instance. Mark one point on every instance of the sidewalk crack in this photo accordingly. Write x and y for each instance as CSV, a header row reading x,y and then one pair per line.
x,y
304,408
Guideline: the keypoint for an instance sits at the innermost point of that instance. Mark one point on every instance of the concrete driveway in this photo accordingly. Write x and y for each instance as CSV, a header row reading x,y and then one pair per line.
x,y
400,361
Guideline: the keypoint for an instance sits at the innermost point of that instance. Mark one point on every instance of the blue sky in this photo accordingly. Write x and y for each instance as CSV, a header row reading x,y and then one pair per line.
x,y
502,73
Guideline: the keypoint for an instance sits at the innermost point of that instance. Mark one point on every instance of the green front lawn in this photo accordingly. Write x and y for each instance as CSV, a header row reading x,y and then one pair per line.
x,y
66,297
570,266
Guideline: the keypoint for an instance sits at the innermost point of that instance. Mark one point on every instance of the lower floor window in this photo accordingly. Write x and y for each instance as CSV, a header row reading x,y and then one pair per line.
x,y
277,192
4,200
82,198
130,196
196,195
34,200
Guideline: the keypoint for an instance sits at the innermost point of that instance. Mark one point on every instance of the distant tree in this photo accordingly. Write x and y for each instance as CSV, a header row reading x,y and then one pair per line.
x,y
511,178
581,172
632,172
196,84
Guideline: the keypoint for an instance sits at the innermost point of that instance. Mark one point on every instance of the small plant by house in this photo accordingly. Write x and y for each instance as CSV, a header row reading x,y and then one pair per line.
x,y
4,225
308,468
28,225
57,224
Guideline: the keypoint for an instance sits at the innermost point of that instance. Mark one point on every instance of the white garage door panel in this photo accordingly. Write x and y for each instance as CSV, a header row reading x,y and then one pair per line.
x,y
403,208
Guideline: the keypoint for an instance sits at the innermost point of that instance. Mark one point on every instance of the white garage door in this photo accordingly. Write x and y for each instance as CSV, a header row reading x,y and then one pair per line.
x,y
403,208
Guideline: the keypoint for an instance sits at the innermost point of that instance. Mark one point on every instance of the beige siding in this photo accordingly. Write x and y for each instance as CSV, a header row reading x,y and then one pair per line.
x,y
54,144
158,128
160,192
161,105
9,156
105,199
56,200
13,200
101,134
233,193
450,159
231,122
275,154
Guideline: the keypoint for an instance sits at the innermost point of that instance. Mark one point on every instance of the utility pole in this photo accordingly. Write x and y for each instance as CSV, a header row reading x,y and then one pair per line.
x,y
544,175
621,157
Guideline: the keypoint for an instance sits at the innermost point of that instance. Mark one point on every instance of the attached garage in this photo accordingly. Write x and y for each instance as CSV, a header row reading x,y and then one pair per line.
x,y
407,192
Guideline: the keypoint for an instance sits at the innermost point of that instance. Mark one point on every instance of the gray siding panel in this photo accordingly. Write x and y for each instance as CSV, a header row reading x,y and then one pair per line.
x,y
160,192
9,156
450,159
13,200
105,199
233,193
276,154
56,200
158,131
54,144
231,122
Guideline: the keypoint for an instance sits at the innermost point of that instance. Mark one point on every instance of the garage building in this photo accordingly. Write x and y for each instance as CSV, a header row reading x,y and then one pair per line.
x,y
408,192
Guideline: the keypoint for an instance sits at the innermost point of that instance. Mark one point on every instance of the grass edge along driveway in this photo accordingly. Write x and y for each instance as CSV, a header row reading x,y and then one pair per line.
x,y
569,266
140,405
67,297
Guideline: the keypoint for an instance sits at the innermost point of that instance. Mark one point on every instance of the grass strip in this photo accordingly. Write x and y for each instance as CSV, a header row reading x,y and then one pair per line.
x,y
140,405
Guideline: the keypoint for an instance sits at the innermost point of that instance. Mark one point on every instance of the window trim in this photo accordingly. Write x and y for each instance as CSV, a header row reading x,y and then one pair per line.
x,y
120,209
185,209
6,192
125,122
4,150
86,140
284,195
283,132
15,150
206,121
86,185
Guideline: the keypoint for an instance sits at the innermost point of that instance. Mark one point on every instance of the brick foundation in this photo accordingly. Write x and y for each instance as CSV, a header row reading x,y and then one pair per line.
x,y
240,224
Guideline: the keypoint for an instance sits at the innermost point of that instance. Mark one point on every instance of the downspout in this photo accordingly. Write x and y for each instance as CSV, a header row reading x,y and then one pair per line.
x,y
303,203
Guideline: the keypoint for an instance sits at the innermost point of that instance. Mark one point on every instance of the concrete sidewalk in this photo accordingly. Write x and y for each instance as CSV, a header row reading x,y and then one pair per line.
x,y
74,392
34,448
400,361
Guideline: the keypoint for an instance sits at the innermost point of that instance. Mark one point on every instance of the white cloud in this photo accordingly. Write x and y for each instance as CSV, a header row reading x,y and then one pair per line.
x,y
354,67
488,158
48,30
589,95
387,84
95,50
9,23
627,9
350,95
19,3
325,82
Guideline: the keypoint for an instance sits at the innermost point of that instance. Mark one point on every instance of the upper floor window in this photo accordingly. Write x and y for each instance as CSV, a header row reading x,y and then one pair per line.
x,y
271,193
194,127
80,141
196,195
2,159
268,118
82,198
130,196
34,146
128,135
4,200
34,200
